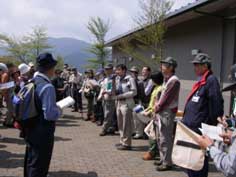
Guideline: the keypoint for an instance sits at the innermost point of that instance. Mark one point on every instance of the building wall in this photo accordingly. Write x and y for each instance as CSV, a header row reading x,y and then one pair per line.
x,y
211,35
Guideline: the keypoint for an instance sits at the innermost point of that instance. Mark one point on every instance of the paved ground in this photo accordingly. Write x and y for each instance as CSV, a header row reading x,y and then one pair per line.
x,y
80,152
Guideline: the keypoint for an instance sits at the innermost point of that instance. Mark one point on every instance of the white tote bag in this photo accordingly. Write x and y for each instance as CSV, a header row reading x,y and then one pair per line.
x,y
150,130
186,151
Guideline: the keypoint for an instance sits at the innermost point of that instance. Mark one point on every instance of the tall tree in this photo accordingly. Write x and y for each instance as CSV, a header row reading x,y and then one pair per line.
x,y
99,29
28,47
16,48
38,41
151,31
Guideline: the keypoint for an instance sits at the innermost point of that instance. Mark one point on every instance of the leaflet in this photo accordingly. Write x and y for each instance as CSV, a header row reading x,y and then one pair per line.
x,y
66,102
212,132
7,85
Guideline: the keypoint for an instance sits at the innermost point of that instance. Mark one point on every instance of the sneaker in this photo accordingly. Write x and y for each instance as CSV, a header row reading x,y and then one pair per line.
x,y
138,137
164,168
124,148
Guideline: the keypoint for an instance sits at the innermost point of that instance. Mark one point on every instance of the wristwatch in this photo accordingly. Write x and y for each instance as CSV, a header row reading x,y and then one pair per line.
x,y
208,149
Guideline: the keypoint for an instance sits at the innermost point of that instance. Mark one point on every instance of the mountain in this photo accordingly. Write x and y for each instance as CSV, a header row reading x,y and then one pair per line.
x,y
2,52
74,51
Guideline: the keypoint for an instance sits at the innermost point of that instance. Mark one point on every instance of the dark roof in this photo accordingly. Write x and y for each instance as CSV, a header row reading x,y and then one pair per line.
x,y
182,10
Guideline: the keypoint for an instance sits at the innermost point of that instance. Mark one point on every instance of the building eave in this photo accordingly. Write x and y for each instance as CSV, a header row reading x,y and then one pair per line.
x,y
171,16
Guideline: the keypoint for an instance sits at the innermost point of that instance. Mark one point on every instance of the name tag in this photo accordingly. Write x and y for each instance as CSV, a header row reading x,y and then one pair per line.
x,y
195,99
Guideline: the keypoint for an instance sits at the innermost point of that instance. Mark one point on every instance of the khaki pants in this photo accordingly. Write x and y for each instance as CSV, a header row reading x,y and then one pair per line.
x,y
165,131
125,122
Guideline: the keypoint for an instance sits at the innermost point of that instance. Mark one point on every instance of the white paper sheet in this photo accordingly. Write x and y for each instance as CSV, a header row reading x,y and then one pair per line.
x,y
212,132
66,102
7,85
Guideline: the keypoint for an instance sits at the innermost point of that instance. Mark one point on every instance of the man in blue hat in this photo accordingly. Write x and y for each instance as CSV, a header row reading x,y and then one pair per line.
x,y
39,133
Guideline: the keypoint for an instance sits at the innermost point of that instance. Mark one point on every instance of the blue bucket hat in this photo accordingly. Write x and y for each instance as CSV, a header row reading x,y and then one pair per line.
x,y
45,61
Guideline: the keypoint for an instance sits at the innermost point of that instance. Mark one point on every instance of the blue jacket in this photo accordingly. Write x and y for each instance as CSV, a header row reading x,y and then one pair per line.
x,y
44,127
205,103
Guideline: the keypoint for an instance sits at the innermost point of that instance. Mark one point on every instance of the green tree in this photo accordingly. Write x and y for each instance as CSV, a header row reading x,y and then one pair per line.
x,y
7,59
99,29
15,48
37,41
60,62
28,47
151,31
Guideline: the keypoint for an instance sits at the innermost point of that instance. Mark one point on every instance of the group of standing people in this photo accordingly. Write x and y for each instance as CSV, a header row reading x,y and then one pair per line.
x,y
136,101
120,99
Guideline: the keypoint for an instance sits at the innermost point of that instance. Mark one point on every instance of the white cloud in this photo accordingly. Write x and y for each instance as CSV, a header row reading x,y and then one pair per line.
x,y
68,18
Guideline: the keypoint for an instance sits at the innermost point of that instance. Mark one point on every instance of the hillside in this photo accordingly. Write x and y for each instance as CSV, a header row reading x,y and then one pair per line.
x,y
74,51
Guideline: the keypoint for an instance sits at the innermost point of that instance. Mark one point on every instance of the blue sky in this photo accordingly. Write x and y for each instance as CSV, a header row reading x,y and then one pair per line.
x,y
68,18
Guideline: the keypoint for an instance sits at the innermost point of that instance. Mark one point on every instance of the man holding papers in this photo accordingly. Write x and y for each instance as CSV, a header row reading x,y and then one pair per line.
x,y
204,103
39,134
225,162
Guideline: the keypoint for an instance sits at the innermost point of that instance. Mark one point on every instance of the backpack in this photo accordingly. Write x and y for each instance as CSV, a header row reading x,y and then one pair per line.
x,y
25,105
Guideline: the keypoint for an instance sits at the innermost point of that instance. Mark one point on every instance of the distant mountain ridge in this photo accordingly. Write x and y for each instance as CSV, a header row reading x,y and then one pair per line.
x,y
74,51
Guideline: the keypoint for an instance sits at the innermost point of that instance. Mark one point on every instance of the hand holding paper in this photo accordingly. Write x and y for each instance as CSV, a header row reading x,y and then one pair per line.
x,y
212,132
7,85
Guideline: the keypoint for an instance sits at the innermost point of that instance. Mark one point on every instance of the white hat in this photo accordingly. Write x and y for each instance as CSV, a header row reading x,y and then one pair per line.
x,y
24,68
3,67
